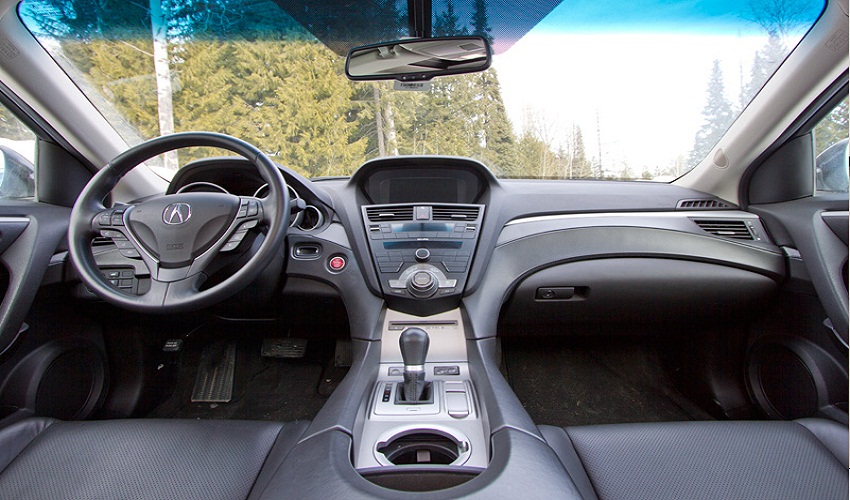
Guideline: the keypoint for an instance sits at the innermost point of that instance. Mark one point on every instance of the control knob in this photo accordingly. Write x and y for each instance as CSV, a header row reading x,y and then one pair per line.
x,y
422,254
422,284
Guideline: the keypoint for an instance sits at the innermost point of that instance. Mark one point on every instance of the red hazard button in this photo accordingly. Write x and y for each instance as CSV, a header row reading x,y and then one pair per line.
x,y
336,263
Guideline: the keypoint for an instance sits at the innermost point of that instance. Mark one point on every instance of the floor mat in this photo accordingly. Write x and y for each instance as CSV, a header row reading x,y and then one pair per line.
x,y
265,388
568,382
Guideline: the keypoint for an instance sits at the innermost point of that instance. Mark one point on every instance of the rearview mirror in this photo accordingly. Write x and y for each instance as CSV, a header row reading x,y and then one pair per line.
x,y
418,58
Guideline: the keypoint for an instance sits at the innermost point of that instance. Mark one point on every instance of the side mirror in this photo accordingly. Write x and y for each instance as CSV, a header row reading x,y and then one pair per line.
x,y
18,175
833,168
418,59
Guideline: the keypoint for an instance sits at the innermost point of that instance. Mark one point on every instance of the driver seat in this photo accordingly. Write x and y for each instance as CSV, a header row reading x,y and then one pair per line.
x,y
46,458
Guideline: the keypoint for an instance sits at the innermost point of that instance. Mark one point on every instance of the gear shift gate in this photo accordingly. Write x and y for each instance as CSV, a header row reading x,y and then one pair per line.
x,y
426,398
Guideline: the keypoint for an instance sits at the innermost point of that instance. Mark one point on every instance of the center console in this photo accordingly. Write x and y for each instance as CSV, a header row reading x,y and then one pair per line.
x,y
423,410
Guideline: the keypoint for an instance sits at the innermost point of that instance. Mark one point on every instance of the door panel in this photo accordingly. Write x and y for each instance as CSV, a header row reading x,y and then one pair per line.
x,y
41,233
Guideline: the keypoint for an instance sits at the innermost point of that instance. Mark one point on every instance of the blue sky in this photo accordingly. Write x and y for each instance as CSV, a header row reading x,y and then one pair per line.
x,y
653,16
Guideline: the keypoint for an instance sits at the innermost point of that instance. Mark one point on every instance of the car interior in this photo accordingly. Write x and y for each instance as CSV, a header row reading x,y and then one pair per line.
x,y
329,302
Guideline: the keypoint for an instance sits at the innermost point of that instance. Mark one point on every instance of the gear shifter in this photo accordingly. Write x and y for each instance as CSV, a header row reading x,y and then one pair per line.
x,y
414,348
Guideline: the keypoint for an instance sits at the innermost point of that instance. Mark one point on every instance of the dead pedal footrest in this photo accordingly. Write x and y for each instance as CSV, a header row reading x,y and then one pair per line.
x,y
214,381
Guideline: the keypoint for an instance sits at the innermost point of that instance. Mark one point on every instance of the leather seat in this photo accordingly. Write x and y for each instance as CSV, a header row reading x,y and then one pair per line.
x,y
44,458
800,459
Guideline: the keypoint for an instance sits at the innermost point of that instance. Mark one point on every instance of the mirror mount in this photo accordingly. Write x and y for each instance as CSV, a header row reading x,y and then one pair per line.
x,y
418,59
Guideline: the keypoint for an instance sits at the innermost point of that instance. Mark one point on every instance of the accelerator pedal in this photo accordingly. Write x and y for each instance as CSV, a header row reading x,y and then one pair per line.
x,y
214,381
285,347
343,355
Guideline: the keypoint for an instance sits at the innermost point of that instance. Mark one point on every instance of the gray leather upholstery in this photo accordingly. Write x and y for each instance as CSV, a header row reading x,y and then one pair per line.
x,y
712,460
145,458
14,438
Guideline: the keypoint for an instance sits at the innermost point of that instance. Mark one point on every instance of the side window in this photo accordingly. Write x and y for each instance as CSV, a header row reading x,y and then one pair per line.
x,y
17,156
831,150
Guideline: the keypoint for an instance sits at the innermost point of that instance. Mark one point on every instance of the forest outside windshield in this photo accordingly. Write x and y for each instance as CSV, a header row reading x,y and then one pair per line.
x,y
585,89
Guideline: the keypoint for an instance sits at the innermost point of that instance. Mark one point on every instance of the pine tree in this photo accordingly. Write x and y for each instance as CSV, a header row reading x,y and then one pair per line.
x,y
581,167
765,62
498,143
717,116
480,24
447,22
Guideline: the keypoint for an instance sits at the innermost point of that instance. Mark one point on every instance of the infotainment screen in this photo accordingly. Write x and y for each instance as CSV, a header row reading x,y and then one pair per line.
x,y
422,189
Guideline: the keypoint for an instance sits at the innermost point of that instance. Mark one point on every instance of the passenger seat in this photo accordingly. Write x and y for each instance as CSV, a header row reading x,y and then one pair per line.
x,y
713,460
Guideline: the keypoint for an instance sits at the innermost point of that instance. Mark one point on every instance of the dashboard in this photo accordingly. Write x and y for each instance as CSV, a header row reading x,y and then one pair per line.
x,y
425,235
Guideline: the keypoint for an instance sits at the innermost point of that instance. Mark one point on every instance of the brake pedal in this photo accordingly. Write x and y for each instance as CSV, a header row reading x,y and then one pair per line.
x,y
214,381
284,348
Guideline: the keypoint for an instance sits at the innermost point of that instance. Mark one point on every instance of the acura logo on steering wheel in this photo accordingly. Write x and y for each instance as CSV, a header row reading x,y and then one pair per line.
x,y
176,213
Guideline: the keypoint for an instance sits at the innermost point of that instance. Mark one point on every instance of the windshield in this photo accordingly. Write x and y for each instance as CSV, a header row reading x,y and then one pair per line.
x,y
586,89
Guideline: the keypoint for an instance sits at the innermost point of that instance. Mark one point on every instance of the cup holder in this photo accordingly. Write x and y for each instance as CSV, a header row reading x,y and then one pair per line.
x,y
422,446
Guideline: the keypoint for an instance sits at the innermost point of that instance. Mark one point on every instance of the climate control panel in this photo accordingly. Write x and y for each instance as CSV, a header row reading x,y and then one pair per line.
x,y
422,251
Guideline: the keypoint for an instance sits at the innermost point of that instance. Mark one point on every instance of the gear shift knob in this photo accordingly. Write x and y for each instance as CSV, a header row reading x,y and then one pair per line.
x,y
413,343
414,346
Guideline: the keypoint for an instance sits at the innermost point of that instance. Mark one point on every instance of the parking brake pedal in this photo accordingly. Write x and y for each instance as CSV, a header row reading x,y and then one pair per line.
x,y
214,381
284,348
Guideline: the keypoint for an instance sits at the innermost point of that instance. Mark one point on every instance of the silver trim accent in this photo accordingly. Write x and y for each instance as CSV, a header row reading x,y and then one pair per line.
x,y
176,213
320,219
414,368
708,214
445,331
463,442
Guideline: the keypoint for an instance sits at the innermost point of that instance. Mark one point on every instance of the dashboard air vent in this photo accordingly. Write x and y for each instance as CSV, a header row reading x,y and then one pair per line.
x,y
382,214
736,229
455,213
705,204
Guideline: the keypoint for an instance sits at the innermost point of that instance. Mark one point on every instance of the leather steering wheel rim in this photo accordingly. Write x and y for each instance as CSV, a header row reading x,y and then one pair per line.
x,y
179,294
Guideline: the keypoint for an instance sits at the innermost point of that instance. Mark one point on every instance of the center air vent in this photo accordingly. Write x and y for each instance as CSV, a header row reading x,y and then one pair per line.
x,y
389,213
736,229
456,213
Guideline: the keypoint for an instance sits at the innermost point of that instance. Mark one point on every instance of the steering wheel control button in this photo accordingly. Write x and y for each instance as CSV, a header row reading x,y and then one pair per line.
x,y
253,208
422,254
230,246
117,218
109,233
105,219
336,263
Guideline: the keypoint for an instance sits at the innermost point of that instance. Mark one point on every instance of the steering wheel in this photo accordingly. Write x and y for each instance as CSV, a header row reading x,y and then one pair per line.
x,y
177,236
